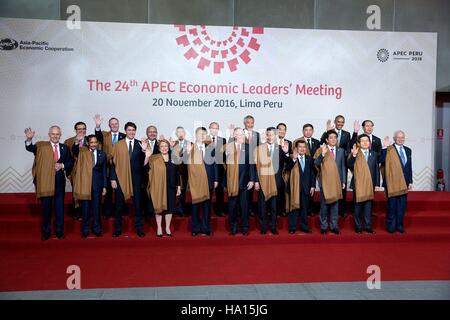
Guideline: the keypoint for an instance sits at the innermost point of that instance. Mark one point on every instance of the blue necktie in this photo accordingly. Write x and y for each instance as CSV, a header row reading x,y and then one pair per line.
x,y
271,150
302,163
402,155
366,155
114,140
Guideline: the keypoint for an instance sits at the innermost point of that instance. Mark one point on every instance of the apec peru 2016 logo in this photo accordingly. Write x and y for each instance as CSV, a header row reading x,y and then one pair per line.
x,y
210,49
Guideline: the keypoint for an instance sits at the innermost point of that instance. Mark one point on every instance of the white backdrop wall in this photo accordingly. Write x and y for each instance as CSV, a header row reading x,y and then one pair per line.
x,y
50,74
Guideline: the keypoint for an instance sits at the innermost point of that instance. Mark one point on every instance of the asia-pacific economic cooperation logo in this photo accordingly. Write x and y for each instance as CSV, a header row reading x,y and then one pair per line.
x,y
383,55
219,53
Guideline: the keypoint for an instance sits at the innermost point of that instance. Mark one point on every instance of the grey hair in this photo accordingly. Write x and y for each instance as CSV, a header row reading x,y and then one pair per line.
x,y
397,132
54,127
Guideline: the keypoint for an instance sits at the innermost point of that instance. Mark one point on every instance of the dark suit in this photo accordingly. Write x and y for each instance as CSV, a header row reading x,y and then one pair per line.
x,y
279,158
137,172
179,158
219,155
99,181
364,209
333,207
247,173
109,206
307,181
397,205
313,145
202,225
344,143
375,142
60,186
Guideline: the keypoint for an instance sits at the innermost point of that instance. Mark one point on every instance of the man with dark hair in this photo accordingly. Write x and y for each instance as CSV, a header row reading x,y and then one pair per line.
x,y
153,147
343,143
367,125
202,171
107,139
127,169
364,165
52,160
330,161
282,196
253,139
80,135
90,182
301,186
269,159
312,145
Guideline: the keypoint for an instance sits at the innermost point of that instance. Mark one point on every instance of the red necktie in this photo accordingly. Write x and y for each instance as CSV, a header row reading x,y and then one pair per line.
x,y
55,153
332,152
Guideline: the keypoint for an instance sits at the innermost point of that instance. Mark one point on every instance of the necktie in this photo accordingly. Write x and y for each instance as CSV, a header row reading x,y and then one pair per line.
x,y
271,150
152,145
214,140
93,158
339,136
249,137
370,143
238,150
81,142
55,152
309,144
332,152
281,142
402,155
130,149
366,155
201,151
302,163
181,148
114,140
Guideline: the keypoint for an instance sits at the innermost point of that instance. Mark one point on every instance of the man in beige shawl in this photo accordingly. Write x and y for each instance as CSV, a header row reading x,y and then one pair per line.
x,y
330,162
239,179
107,139
89,182
79,137
202,179
300,186
364,164
397,180
127,170
269,159
52,160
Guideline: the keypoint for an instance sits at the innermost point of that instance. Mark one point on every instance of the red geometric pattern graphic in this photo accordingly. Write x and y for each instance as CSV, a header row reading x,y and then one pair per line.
x,y
219,55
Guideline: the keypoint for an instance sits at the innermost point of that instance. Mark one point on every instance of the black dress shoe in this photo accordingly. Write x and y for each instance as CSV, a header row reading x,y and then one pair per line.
x,y
194,234
291,231
117,234
98,234
307,230
263,232
390,231
169,234
208,233
159,235
358,231
245,233
274,231
400,231
371,231
85,234
335,231
140,234
322,231
45,237
60,236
